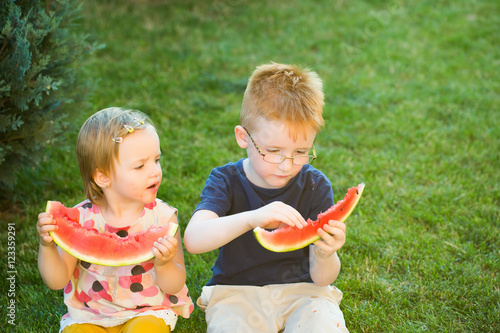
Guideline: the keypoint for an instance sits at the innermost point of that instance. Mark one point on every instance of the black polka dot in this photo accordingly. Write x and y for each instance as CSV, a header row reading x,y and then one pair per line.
x,y
173,299
87,205
138,269
97,286
136,287
85,264
122,233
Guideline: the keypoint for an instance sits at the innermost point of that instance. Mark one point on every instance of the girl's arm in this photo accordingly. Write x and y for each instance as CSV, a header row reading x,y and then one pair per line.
x,y
207,231
323,258
56,266
169,264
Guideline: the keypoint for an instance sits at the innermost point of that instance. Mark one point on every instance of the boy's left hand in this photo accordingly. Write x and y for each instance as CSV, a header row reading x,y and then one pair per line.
x,y
164,250
332,239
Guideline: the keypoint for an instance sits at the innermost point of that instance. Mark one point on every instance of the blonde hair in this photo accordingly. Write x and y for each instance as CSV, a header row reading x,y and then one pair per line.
x,y
95,147
284,93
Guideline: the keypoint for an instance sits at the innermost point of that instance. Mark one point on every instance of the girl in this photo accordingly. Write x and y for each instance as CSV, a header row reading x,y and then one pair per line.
x,y
119,156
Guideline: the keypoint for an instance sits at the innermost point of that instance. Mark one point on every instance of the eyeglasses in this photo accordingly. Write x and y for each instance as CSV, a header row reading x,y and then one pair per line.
x,y
279,158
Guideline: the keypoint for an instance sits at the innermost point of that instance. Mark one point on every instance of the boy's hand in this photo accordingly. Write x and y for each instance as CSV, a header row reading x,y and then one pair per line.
x,y
45,224
332,239
277,214
164,250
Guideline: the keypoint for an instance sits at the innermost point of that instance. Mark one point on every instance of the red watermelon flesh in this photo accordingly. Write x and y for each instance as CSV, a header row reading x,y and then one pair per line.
x,y
291,238
104,248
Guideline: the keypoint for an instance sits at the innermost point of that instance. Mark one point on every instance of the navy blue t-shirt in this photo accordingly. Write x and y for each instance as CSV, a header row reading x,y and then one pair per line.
x,y
243,261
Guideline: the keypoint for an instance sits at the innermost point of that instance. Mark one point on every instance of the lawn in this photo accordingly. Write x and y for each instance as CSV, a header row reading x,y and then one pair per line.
x,y
412,109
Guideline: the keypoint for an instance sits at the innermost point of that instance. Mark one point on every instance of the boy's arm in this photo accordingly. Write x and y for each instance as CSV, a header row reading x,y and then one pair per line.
x,y
324,271
323,258
207,231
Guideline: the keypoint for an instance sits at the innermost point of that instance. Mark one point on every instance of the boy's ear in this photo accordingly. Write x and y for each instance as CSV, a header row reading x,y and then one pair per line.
x,y
101,179
241,136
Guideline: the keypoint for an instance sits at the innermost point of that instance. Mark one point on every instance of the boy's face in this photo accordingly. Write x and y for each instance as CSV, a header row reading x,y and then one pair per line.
x,y
273,137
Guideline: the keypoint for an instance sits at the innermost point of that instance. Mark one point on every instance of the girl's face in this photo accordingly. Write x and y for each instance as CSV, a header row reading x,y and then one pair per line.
x,y
273,137
137,172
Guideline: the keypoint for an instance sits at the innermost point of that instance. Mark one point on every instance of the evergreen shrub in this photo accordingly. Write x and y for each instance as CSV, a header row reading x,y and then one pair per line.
x,y
40,47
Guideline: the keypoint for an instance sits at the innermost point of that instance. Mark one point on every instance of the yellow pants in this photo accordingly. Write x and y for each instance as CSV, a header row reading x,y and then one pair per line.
x,y
141,324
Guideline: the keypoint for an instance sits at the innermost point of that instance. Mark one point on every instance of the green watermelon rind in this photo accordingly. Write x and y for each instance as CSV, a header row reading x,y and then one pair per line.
x,y
260,232
171,231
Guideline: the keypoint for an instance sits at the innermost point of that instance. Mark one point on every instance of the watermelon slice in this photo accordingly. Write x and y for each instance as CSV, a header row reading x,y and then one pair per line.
x,y
104,248
291,238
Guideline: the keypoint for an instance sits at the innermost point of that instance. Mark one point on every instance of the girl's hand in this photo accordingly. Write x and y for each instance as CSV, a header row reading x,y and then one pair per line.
x,y
45,224
275,215
332,239
164,250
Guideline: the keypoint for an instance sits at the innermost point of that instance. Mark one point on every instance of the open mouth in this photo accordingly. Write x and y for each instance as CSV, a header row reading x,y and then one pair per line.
x,y
153,186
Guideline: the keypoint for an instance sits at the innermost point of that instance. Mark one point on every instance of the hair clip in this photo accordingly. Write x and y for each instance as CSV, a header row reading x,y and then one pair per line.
x,y
140,121
118,139
129,128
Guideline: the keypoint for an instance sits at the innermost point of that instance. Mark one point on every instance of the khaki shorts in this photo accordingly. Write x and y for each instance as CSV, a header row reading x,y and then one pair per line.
x,y
296,307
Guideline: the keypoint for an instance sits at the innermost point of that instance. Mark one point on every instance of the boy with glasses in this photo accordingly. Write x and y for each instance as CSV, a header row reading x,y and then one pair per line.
x,y
253,289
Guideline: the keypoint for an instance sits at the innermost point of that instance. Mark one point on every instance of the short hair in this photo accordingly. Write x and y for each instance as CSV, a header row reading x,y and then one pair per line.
x,y
95,147
286,93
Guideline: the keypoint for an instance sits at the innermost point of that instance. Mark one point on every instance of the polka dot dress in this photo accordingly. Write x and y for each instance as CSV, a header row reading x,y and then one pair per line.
x,y
110,296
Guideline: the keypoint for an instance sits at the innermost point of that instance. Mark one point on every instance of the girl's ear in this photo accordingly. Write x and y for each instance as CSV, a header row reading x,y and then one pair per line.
x,y
101,179
241,136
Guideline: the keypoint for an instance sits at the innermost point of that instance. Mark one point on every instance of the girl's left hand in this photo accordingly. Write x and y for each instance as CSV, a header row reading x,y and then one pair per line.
x,y
164,249
332,239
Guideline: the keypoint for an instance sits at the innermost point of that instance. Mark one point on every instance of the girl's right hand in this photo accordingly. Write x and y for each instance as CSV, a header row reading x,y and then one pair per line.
x,y
45,224
276,215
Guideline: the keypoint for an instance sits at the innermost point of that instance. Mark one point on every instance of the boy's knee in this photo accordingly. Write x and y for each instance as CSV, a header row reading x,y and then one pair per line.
x,y
316,314
149,324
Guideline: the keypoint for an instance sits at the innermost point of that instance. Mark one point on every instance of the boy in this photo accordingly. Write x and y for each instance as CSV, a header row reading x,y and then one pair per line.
x,y
253,289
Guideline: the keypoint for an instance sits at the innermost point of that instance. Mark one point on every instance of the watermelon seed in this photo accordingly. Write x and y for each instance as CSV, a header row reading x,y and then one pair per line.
x,y
122,233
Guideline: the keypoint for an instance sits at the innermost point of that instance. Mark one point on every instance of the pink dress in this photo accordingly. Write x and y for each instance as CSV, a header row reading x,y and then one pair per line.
x,y
110,296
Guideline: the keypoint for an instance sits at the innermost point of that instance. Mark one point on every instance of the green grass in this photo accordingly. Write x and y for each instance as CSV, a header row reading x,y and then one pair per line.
x,y
412,109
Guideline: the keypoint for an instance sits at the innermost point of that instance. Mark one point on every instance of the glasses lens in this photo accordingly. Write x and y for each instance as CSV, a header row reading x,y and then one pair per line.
x,y
301,160
274,158
297,160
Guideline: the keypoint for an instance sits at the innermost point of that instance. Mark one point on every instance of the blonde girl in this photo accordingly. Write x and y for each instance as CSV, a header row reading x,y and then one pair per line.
x,y
118,152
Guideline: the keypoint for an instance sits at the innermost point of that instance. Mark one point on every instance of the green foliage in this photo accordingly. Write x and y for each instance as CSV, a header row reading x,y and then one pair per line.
x,y
39,49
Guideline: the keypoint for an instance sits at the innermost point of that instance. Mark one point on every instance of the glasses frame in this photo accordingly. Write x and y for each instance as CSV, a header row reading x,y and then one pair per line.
x,y
283,157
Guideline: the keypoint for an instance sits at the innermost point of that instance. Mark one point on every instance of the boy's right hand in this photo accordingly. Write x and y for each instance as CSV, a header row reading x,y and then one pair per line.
x,y
45,224
276,215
